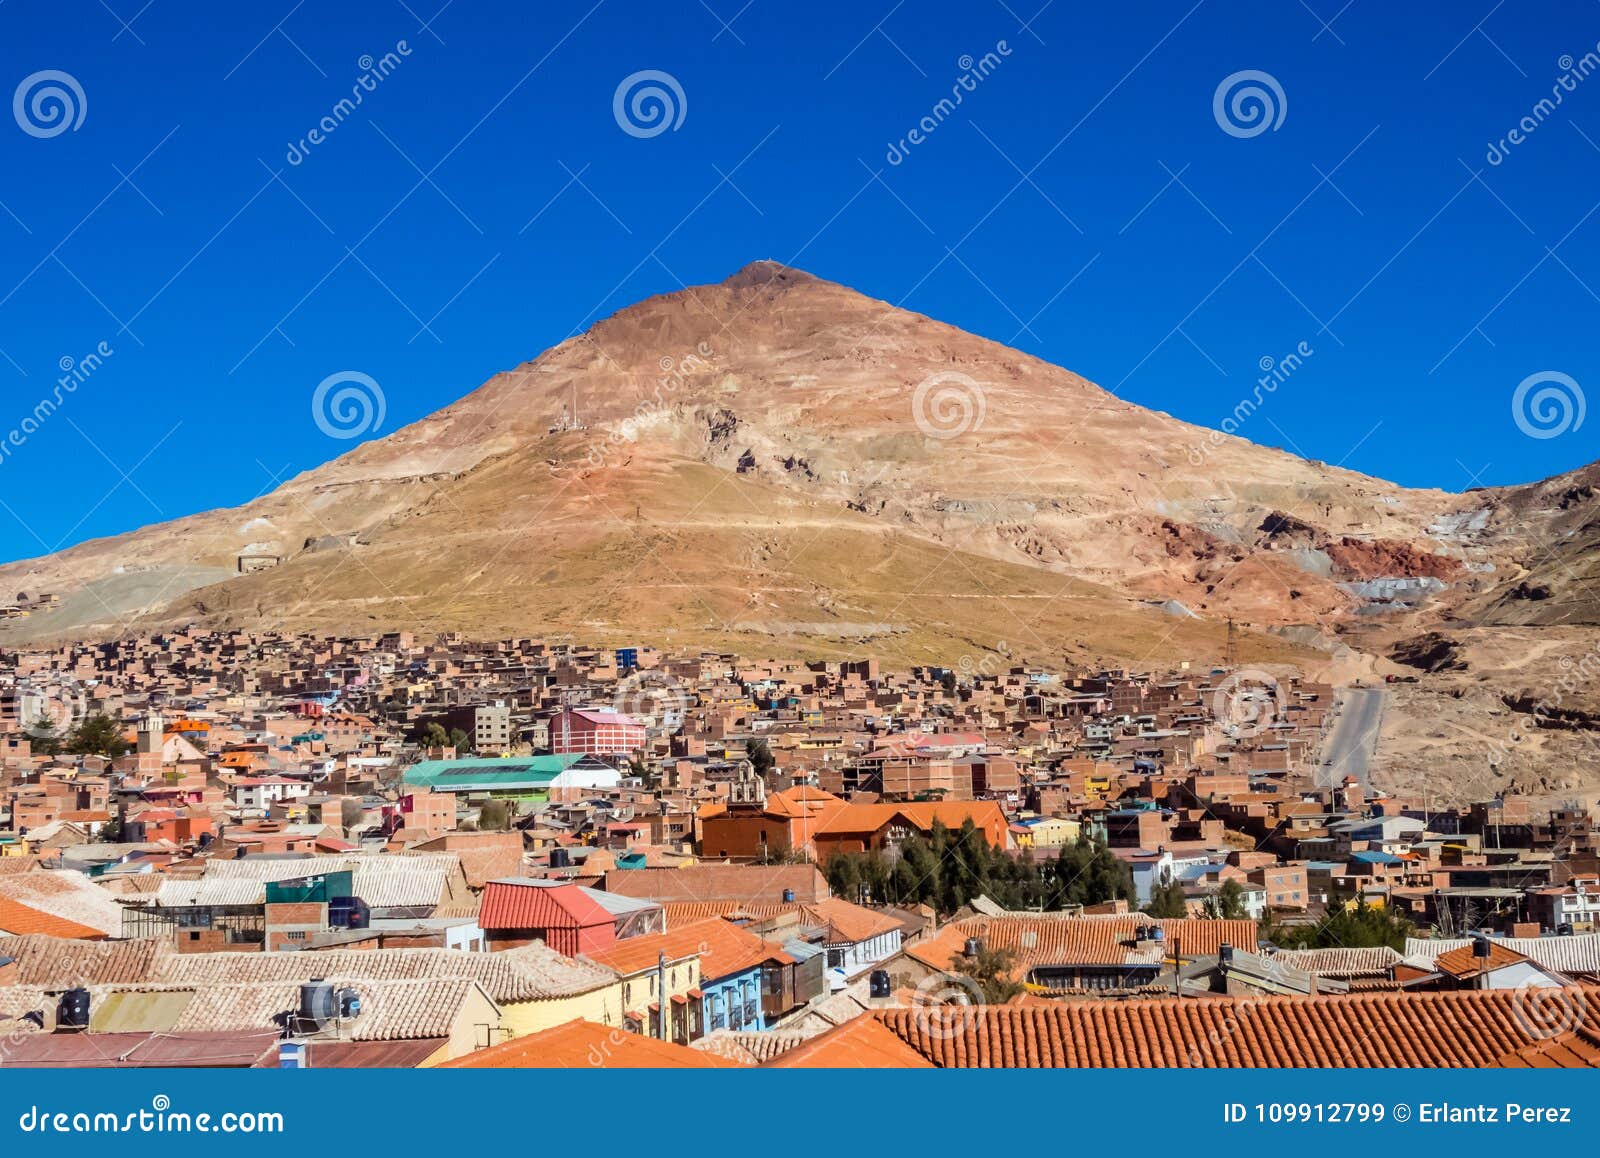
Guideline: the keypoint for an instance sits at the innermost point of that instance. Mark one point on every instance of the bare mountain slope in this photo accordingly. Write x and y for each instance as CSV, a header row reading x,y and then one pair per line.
x,y
779,457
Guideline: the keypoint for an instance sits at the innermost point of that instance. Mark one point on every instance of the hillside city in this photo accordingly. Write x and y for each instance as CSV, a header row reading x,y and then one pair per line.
x,y
249,849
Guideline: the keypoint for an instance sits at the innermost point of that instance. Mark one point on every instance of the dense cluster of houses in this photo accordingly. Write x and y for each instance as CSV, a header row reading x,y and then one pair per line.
x,y
239,849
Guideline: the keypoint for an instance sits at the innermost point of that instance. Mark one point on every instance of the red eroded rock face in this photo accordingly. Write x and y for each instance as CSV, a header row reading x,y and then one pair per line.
x,y
1388,558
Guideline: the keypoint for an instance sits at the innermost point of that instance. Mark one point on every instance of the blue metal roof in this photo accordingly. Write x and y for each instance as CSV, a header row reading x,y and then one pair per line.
x,y
1373,857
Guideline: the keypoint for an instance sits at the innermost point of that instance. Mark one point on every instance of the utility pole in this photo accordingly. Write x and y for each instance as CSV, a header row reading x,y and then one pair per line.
x,y
661,995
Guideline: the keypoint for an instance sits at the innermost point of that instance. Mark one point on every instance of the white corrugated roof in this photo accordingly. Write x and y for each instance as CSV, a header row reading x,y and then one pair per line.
x,y
1576,954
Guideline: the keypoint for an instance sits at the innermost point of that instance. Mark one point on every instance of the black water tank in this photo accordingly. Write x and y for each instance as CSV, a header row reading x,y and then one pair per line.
x,y
1225,953
73,1012
560,858
1481,947
974,946
316,1002
788,896
879,984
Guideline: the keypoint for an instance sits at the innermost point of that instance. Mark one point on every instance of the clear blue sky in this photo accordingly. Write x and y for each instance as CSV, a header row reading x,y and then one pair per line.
x,y
1147,249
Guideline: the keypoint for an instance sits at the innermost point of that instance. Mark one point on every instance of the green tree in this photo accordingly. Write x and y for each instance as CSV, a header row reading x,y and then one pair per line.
x,y
42,737
1167,901
97,735
1228,903
948,869
759,753
459,740
1361,927
992,972
433,736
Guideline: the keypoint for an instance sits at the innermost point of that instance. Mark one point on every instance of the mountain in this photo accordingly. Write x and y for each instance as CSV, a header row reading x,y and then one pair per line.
x,y
778,463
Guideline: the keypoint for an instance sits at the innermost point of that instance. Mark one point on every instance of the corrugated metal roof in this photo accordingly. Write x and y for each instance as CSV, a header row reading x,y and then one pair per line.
x,y
139,1050
1576,954
138,1010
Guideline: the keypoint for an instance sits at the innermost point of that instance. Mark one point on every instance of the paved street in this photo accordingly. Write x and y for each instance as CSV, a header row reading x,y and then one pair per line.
x,y
1350,745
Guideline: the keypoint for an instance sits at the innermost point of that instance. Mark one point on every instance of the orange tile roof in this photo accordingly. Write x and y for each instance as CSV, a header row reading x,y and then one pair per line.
x,y
583,1044
866,818
1567,1051
20,919
861,1043
723,948
842,920
1046,940
1460,963
1457,1029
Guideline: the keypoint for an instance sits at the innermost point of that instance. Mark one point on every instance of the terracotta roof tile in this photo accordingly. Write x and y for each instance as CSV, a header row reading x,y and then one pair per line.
x,y
1046,941
587,1045
518,904
527,973
865,1043
722,947
51,961
1460,1029
20,919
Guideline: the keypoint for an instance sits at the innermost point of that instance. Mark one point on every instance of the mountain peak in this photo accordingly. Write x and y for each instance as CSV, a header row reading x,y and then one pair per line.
x,y
767,273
